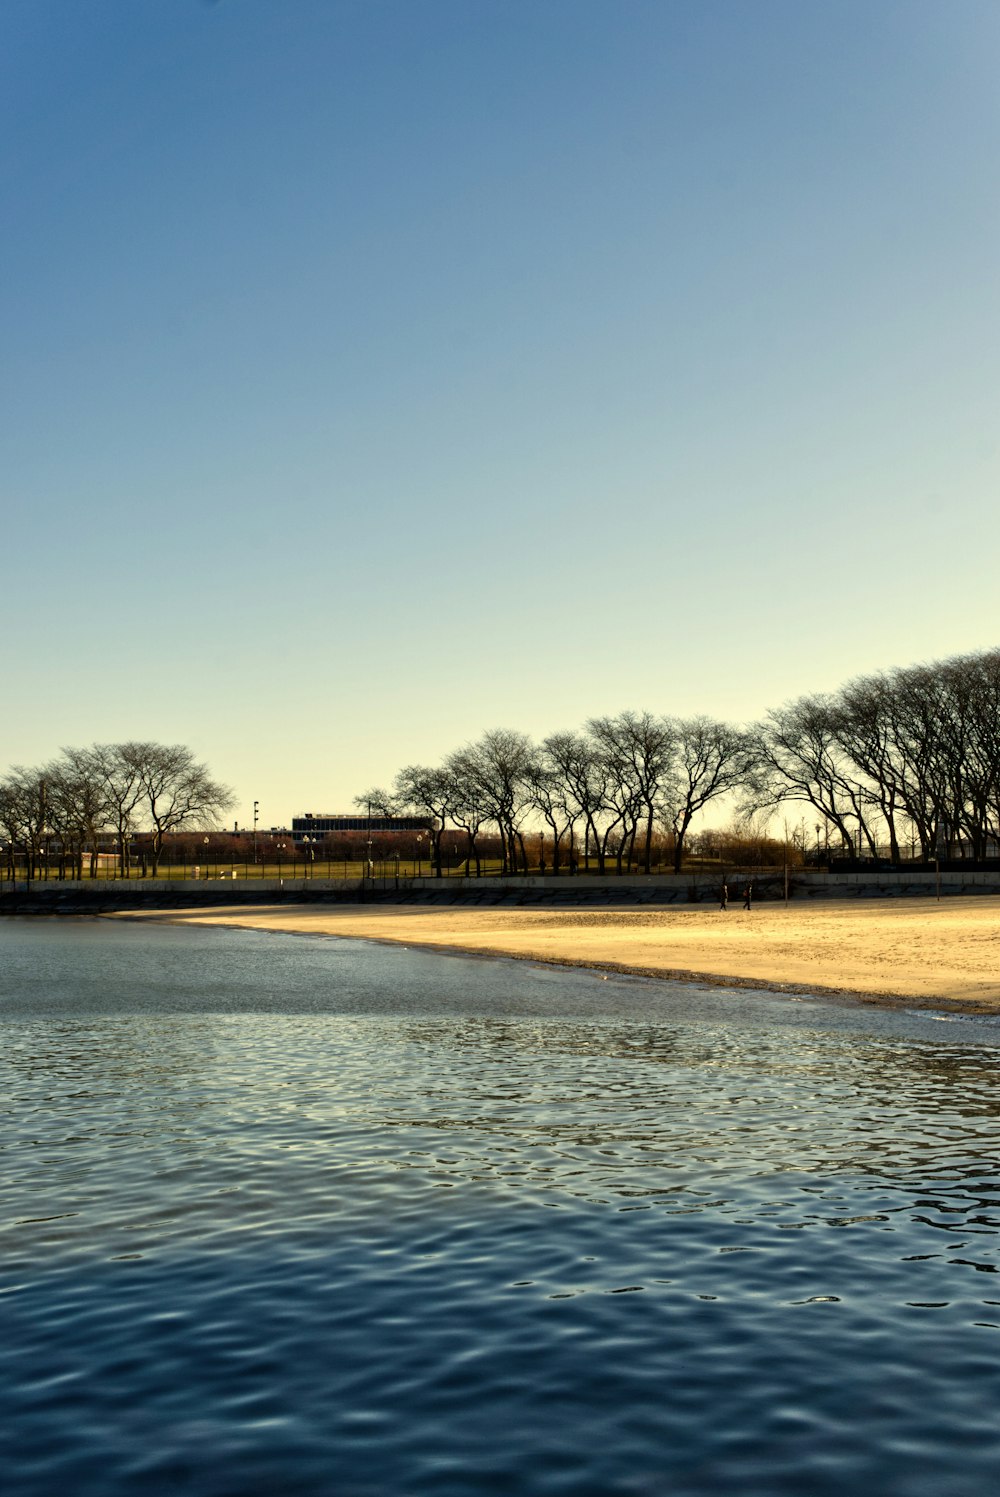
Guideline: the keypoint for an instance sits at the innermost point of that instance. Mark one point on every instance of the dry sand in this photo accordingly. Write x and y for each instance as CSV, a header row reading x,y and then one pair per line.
x,y
945,954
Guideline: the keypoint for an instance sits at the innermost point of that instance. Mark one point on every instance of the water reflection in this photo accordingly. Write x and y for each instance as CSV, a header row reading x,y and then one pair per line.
x,y
436,1226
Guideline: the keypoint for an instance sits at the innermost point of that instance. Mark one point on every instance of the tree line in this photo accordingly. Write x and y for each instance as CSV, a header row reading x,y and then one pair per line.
x,y
110,790
902,760
907,758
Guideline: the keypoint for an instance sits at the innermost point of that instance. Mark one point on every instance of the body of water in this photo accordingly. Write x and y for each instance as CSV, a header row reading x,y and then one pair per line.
x,y
295,1215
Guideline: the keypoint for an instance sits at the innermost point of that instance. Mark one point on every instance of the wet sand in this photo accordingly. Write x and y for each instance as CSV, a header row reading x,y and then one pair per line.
x,y
946,955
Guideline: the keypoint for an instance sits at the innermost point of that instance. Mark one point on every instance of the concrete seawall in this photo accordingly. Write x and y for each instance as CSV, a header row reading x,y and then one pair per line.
x,y
70,897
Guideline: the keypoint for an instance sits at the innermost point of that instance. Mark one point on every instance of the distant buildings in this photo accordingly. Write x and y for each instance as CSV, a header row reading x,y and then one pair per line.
x,y
318,826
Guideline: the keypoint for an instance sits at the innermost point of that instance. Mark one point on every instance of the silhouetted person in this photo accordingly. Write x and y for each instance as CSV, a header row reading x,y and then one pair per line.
x,y
724,898
746,901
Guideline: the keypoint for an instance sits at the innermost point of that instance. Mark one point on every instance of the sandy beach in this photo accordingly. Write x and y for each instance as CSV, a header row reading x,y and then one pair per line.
x,y
946,954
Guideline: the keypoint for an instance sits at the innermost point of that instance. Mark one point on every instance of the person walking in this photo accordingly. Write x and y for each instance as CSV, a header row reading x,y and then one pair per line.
x,y
724,897
749,892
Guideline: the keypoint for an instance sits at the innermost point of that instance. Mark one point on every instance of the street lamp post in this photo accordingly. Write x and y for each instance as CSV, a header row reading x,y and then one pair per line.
x,y
256,806
785,861
42,836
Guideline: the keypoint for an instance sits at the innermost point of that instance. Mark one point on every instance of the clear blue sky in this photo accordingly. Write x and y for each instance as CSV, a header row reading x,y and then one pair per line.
x,y
379,371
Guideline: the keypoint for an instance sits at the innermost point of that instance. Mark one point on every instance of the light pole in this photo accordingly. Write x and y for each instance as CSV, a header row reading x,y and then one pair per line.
x,y
43,810
786,861
256,806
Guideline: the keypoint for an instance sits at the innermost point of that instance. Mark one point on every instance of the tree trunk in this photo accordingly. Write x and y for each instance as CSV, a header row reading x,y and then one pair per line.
x,y
601,853
889,812
680,832
648,851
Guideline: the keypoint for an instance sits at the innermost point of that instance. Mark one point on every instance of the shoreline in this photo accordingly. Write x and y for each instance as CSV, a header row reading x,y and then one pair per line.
x,y
945,957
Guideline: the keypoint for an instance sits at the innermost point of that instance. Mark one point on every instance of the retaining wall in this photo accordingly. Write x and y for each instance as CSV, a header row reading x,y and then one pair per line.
x,y
95,896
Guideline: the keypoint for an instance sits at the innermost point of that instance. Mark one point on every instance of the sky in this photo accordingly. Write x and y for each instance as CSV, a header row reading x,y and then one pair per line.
x,y
378,372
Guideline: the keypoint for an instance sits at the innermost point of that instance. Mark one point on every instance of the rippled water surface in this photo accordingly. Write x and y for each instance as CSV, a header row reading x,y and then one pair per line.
x,y
294,1215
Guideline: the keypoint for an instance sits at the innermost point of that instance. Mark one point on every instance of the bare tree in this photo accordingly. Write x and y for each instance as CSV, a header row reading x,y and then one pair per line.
x,y
467,810
797,756
710,759
982,675
862,716
916,712
116,771
639,749
917,749
24,813
576,760
78,807
495,772
623,807
424,791
552,797
175,789
378,801
941,723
